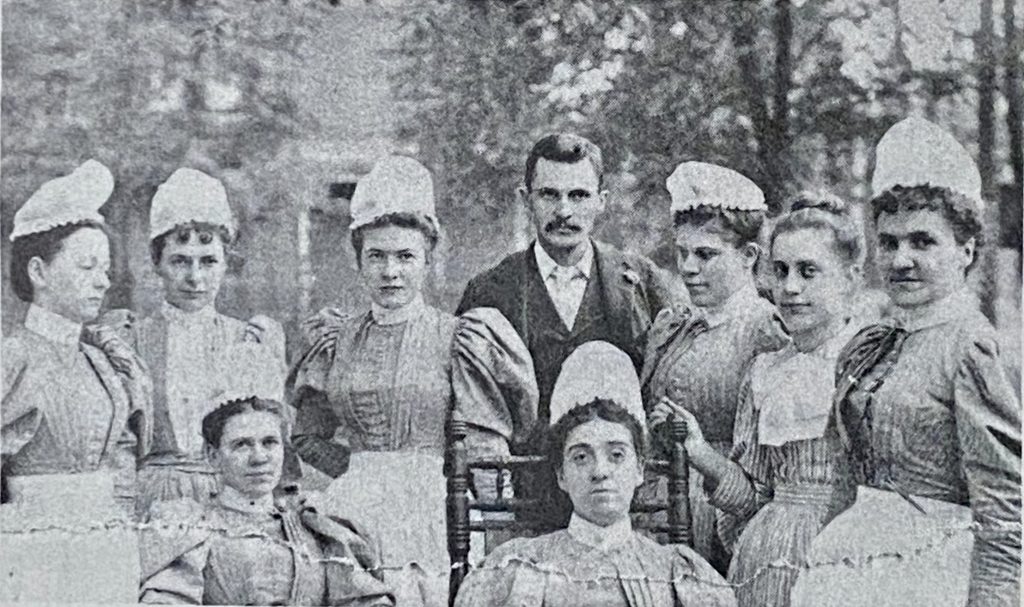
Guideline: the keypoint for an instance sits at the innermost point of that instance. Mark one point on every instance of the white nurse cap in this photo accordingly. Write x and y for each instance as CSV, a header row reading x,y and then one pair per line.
x,y
190,196
73,198
699,184
396,184
915,152
597,369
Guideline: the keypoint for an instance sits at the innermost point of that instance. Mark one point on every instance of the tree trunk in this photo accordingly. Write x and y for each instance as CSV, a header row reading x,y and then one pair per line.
x,y
986,143
1015,114
771,124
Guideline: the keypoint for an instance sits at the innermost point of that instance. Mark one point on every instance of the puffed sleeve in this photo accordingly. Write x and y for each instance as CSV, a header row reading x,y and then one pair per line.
x,y
697,583
115,340
988,421
173,550
19,417
746,486
509,576
493,381
670,329
353,568
666,290
306,390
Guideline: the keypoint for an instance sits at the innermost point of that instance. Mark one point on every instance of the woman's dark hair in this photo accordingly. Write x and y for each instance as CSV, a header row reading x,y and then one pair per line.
x,y
183,233
564,147
599,408
812,210
399,220
960,211
214,422
45,246
743,226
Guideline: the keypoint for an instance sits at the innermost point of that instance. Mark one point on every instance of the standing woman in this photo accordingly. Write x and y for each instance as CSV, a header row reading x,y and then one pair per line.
x,y
696,358
928,420
74,407
197,356
779,489
374,390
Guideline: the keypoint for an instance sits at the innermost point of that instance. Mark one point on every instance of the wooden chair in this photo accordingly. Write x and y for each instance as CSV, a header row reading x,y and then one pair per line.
x,y
459,472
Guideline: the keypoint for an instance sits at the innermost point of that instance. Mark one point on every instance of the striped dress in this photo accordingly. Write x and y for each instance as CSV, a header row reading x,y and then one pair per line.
x,y
784,485
698,361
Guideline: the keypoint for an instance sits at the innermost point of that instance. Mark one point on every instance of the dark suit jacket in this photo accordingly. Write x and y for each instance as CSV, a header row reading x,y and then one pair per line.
x,y
624,294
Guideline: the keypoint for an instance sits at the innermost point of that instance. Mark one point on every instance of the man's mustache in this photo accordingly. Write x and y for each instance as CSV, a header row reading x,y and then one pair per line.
x,y
558,224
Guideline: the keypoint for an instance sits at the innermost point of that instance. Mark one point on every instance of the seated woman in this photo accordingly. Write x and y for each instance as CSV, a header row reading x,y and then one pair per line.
x,y
243,548
75,408
374,389
597,450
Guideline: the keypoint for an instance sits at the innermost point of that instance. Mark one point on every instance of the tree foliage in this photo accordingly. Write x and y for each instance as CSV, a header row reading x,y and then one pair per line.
x,y
790,92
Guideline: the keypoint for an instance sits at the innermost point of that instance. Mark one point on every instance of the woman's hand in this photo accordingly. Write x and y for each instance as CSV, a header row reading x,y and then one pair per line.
x,y
666,409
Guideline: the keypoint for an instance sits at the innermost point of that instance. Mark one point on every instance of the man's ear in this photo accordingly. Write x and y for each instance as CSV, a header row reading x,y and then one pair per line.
x,y
523,195
561,479
603,198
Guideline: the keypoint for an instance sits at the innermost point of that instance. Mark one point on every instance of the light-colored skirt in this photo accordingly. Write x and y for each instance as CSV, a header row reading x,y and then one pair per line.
x,y
399,497
64,540
883,552
773,547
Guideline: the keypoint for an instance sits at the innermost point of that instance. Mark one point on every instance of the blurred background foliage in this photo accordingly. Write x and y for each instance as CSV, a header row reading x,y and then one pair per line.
x,y
291,101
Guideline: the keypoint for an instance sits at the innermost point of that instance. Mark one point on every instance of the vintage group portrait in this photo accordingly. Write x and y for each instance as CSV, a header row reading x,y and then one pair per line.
x,y
537,303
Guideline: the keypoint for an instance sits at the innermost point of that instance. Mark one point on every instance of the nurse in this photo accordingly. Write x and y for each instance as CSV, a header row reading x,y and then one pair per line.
x,y
779,486
75,407
696,357
197,355
928,420
374,390
597,446
243,548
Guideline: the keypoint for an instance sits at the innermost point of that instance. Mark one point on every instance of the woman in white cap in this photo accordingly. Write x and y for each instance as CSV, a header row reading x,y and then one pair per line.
x,y
75,407
597,448
246,548
198,357
779,487
929,422
374,390
696,357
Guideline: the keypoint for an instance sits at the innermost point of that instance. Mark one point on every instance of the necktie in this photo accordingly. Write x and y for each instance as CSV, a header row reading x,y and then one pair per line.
x,y
563,293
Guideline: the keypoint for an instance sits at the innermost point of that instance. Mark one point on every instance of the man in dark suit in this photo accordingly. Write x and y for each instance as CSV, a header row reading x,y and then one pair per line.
x,y
566,289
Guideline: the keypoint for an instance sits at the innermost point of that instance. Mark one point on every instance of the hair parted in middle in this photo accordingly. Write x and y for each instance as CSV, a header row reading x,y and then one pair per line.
x,y
214,421
564,147
599,408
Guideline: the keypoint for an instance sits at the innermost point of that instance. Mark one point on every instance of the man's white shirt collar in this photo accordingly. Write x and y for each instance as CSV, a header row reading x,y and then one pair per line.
x,y
596,536
547,265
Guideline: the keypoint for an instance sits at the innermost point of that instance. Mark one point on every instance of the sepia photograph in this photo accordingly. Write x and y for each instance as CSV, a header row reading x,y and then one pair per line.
x,y
531,303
